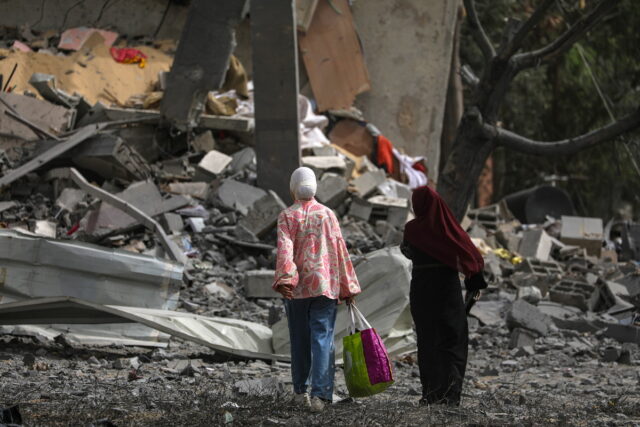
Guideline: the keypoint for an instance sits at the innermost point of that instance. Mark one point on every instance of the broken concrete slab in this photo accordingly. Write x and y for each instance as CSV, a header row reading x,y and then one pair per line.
x,y
110,157
623,333
212,165
263,215
536,244
587,233
243,159
199,190
332,190
44,114
568,317
172,223
257,284
323,164
144,195
360,209
238,195
366,183
526,316
521,338
78,137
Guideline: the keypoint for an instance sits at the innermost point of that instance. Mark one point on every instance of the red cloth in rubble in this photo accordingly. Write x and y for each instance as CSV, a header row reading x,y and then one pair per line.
x,y
436,232
128,55
385,154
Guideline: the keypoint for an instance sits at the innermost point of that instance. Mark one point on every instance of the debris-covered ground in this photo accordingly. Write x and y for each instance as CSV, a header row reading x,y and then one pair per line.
x,y
564,381
103,203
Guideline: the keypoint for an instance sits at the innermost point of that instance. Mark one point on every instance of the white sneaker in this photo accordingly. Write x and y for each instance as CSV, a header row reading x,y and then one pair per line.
x,y
302,399
317,404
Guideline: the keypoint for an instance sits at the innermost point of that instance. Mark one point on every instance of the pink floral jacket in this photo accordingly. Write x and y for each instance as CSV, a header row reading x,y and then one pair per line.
x,y
312,255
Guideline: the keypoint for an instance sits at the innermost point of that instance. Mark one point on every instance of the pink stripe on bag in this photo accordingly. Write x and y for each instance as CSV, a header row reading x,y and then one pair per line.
x,y
376,357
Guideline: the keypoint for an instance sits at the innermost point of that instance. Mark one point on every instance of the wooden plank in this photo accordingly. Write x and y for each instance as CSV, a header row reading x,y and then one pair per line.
x,y
304,13
333,57
275,76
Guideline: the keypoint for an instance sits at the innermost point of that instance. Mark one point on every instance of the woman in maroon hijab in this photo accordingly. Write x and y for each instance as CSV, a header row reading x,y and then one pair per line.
x,y
440,249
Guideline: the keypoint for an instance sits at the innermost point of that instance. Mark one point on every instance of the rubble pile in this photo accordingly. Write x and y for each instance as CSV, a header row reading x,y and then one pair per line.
x,y
119,232
101,167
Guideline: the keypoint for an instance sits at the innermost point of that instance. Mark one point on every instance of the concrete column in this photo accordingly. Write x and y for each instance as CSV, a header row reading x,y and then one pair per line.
x,y
275,79
201,60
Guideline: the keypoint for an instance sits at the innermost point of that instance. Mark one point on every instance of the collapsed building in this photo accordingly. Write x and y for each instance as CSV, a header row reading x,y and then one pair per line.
x,y
141,184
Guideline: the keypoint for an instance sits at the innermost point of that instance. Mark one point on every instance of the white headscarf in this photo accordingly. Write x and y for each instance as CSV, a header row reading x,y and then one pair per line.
x,y
303,183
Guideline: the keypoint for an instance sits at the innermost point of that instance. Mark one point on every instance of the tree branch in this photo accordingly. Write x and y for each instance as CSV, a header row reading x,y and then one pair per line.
x,y
514,43
567,39
566,146
479,34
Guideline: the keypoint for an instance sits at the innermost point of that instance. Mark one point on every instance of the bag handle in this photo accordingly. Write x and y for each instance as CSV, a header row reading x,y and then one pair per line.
x,y
356,315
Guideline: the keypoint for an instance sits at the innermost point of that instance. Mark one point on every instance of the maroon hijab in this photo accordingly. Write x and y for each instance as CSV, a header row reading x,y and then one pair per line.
x,y
436,232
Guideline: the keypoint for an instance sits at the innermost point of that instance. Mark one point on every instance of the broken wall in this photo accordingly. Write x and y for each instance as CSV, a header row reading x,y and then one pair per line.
x,y
159,18
407,46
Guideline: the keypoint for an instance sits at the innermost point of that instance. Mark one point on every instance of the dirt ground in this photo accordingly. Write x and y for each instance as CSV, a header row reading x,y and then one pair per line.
x,y
561,383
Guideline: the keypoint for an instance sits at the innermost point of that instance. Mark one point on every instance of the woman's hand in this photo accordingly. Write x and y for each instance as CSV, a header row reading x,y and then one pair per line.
x,y
285,290
349,300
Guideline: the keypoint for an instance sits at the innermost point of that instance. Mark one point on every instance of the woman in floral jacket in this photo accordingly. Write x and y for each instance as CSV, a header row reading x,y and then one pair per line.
x,y
313,272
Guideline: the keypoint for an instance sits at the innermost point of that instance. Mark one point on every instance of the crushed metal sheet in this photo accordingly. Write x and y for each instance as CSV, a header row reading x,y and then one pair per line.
x,y
226,336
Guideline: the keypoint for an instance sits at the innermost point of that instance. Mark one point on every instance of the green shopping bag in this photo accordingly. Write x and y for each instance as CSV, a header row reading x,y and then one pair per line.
x,y
367,369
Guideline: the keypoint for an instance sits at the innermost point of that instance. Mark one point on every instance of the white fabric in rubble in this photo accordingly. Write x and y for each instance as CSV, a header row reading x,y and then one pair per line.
x,y
303,183
416,178
385,277
311,125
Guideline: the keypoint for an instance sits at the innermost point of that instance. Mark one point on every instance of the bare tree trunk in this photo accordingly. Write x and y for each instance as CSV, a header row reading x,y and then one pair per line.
x,y
454,105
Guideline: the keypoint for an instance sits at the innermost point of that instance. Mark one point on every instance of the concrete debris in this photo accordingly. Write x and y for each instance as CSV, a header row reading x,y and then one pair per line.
x,y
526,316
82,264
212,165
584,232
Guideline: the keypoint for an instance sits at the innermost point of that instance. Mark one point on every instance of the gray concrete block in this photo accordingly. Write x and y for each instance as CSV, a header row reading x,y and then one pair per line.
x,y
238,195
584,232
611,354
245,158
532,265
623,333
257,284
259,387
324,164
360,209
332,190
575,293
526,316
212,165
263,215
172,223
521,338
366,183
536,244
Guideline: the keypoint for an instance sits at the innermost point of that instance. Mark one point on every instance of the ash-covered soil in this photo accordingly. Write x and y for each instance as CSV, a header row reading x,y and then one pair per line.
x,y
564,381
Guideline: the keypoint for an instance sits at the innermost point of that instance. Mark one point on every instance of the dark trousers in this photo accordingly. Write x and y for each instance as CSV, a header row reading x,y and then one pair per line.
x,y
441,325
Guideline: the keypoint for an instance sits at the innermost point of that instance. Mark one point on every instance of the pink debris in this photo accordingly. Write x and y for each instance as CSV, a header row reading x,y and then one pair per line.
x,y
74,38
18,45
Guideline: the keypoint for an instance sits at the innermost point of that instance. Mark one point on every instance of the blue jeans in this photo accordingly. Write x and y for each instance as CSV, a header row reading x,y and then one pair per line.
x,y
311,324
